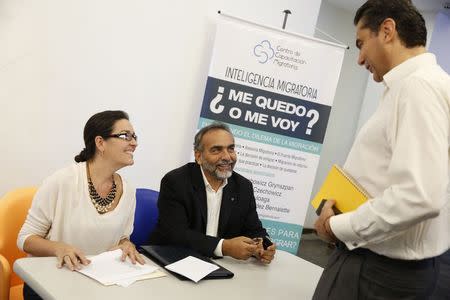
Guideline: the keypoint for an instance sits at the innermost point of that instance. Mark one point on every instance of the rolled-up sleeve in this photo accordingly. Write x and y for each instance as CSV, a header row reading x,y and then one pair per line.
x,y
39,218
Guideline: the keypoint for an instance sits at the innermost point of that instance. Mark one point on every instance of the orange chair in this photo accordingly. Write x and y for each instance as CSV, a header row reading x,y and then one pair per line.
x,y
13,211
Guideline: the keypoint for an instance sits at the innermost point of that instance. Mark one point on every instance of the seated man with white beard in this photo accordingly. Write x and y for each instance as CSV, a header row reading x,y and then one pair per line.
x,y
208,207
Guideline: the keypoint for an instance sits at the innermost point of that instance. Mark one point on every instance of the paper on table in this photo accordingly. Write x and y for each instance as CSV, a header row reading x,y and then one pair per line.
x,y
107,268
192,268
128,282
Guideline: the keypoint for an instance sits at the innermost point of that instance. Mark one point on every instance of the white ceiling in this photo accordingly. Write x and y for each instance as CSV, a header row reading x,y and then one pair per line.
x,y
422,5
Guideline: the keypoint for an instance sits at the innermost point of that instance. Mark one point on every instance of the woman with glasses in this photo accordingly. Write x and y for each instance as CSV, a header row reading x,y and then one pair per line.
x,y
86,208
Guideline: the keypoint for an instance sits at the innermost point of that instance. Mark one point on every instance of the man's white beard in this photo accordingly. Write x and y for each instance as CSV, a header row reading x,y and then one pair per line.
x,y
217,173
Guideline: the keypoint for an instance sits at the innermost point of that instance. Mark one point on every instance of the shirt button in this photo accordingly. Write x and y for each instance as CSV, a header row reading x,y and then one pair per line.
x,y
355,244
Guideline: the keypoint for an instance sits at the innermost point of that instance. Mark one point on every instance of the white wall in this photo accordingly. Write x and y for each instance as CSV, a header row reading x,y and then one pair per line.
x,y
349,95
61,61
440,42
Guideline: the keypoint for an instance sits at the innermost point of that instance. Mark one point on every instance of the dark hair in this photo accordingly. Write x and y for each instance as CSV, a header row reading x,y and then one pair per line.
x,y
213,126
409,22
100,124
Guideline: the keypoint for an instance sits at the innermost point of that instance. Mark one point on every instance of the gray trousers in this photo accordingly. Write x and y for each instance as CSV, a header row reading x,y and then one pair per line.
x,y
442,291
361,274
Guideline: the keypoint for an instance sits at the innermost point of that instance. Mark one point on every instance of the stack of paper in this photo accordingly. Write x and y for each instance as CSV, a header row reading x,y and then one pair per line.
x,y
192,268
108,269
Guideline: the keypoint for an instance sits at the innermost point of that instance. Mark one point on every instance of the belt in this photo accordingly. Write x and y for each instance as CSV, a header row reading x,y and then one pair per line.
x,y
368,254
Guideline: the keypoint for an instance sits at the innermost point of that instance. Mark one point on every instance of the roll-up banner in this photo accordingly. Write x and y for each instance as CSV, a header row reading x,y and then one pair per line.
x,y
275,90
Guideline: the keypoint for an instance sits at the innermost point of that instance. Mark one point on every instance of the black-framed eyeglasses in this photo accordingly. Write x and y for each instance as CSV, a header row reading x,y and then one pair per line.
x,y
126,136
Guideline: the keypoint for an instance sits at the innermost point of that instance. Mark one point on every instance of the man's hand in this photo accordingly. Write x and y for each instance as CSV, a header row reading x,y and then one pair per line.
x,y
265,256
128,249
240,247
322,224
70,256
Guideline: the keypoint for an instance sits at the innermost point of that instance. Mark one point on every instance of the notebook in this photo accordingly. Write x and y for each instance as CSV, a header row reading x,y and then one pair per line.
x,y
164,255
339,186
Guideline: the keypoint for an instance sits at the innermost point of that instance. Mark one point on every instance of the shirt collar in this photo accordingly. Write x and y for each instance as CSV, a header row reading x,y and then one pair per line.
x,y
407,67
205,180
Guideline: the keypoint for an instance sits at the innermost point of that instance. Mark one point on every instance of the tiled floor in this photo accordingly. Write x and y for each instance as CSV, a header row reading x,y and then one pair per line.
x,y
314,249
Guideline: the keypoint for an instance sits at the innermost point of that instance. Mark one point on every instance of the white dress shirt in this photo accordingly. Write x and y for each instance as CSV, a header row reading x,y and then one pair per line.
x,y
62,211
401,157
213,200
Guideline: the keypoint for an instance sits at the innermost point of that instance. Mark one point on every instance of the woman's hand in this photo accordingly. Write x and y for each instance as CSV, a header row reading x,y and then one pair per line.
x,y
69,256
128,249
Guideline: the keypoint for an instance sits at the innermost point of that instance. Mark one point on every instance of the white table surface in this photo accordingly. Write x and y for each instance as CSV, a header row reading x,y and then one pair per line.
x,y
287,277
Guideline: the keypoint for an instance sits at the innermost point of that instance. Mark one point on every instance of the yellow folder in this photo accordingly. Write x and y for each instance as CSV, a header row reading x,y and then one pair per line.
x,y
341,187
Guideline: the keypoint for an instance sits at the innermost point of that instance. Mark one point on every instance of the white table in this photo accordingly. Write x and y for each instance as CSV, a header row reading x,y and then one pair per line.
x,y
287,277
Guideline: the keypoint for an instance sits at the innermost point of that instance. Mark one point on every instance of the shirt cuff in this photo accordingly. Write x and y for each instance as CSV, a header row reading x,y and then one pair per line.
x,y
218,250
343,230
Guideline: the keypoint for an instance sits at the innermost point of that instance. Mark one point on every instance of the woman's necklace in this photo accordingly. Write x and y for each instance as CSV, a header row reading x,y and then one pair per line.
x,y
102,205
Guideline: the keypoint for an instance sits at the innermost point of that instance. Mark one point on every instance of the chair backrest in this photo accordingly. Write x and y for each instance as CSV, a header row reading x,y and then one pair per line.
x,y
14,207
145,216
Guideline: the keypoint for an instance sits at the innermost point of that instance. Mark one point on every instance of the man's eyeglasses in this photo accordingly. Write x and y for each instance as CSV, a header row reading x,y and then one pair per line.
x,y
126,136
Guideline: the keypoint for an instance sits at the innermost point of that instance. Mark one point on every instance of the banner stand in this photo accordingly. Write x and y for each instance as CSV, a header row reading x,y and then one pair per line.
x,y
275,90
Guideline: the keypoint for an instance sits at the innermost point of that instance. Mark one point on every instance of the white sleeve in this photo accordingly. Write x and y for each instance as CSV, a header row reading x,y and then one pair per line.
x,y
129,225
418,171
40,215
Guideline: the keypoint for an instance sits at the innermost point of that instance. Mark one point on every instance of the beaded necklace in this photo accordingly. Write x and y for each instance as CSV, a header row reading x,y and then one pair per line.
x,y
102,205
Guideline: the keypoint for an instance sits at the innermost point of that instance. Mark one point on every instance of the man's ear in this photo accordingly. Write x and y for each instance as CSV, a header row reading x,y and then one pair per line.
x,y
198,156
388,30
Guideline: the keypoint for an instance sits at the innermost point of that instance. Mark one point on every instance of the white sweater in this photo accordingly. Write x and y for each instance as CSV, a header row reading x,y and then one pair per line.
x,y
62,211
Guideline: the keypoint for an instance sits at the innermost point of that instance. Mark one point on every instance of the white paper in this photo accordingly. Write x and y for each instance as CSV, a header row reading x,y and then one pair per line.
x,y
128,282
192,268
107,268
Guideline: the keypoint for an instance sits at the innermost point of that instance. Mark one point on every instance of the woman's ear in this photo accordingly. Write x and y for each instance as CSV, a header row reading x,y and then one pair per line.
x,y
100,144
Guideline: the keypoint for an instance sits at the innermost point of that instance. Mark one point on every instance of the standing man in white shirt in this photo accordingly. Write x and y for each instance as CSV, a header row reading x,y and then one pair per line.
x,y
389,247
